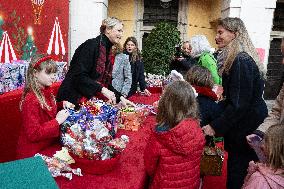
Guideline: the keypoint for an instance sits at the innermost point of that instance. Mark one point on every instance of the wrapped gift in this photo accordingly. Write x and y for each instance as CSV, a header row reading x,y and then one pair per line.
x,y
12,75
131,118
89,135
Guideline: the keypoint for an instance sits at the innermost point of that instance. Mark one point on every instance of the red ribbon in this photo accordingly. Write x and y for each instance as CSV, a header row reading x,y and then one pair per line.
x,y
43,59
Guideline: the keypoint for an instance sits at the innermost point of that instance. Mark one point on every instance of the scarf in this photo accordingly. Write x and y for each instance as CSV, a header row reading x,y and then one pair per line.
x,y
104,65
205,91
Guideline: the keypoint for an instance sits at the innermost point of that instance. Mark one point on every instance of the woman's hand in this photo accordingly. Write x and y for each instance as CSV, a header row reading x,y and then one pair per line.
x,y
109,95
147,93
208,130
61,116
68,105
126,102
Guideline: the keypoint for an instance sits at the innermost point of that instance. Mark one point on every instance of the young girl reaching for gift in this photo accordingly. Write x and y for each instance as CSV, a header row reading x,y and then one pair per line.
x,y
172,155
271,173
40,120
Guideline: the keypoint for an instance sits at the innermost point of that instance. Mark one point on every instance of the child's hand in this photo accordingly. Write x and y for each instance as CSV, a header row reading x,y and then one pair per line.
x,y
61,116
68,105
208,130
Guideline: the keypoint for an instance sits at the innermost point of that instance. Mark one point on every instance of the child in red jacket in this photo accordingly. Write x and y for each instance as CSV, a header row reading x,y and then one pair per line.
x,y
172,155
40,120
271,173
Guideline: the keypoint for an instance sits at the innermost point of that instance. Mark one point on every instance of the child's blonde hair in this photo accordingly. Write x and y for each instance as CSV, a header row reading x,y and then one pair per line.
x,y
199,76
274,146
31,81
176,104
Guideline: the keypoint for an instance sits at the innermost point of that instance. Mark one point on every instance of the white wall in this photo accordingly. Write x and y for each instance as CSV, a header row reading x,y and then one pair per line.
x,y
258,18
85,19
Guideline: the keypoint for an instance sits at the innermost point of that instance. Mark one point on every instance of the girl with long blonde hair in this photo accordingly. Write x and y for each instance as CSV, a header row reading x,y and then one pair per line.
x,y
40,120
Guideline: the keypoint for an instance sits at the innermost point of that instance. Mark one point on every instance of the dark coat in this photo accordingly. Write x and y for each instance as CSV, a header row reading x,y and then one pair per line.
x,y
137,71
208,107
172,157
184,65
243,108
81,78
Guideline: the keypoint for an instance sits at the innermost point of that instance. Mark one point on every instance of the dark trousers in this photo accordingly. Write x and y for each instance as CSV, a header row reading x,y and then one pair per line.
x,y
237,168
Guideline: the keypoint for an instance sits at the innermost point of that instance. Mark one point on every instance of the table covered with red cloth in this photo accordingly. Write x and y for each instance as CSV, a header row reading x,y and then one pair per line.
x,y
130,172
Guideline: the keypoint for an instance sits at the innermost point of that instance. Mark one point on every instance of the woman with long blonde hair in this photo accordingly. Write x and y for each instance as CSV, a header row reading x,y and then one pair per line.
x,y
243,106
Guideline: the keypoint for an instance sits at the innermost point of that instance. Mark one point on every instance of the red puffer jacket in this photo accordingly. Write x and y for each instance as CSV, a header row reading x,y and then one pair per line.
x,y
172,158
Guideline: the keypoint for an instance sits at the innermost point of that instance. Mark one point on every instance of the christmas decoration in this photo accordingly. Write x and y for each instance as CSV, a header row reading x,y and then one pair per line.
x,y
29,49
1,30
37,8
7,52
55,41
19,34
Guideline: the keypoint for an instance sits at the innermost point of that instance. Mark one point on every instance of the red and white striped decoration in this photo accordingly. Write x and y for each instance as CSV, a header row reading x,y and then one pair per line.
x,y
54,42
7,53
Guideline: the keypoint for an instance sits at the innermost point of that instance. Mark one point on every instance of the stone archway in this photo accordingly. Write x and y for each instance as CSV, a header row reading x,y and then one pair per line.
x,y
275,70
142,29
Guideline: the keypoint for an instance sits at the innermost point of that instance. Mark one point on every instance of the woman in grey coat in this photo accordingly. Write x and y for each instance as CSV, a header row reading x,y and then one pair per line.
x,y
121,73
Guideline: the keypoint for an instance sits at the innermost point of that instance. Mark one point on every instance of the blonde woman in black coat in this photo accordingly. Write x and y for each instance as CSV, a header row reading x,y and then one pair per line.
x,y
243,106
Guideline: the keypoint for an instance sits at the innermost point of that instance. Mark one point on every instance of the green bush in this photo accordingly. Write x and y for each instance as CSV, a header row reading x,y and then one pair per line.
x,y
159,48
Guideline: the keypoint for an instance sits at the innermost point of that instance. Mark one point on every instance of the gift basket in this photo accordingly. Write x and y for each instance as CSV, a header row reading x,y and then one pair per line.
x,y
89,135
212,159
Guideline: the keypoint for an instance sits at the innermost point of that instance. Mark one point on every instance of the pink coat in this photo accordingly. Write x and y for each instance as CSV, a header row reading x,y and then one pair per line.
x,y
262,177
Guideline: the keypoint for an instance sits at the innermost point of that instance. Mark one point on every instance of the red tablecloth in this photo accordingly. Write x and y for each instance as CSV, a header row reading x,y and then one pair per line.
x,y
130,172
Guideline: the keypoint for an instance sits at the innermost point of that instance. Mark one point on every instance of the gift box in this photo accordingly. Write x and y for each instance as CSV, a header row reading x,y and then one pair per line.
x,y
130,120
12,75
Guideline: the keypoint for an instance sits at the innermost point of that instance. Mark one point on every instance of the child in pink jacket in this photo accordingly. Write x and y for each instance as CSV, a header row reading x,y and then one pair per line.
x,y
268,175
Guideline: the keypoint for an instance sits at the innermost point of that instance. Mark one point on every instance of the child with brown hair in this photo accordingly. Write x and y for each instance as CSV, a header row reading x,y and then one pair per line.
x,y
173,153
201,79
271,173
40,120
